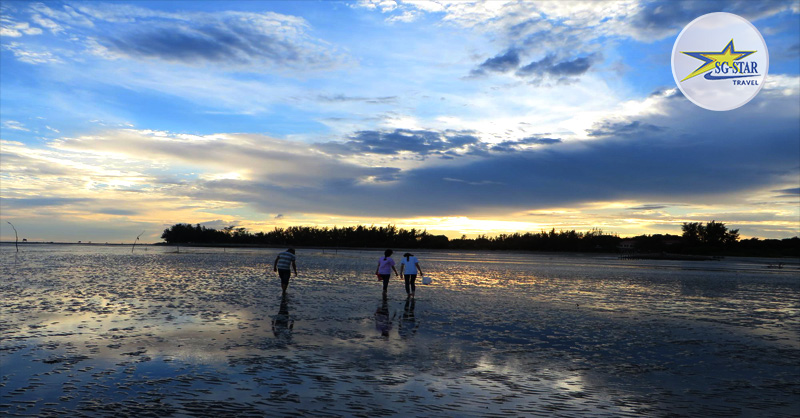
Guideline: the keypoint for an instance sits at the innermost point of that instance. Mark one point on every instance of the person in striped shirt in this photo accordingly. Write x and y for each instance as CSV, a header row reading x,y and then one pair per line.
x,y
283,262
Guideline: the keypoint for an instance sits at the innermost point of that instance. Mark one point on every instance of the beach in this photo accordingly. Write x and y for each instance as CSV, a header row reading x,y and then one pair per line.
x,y
160,331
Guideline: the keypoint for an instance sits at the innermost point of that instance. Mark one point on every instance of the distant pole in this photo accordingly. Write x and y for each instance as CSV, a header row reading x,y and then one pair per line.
x,y
134,242
16,237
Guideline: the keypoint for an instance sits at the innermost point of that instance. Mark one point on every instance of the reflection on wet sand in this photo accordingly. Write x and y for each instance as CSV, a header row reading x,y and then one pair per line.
x,y
408,323
281,323
383,322
96,331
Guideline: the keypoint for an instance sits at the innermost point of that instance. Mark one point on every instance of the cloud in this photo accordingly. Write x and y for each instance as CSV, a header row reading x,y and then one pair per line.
x,y
12,124
667,152
417,142
472,183
719,157
340,98
67,15
117,211
503,63
549,66
240,40
230,39
527,28
39,202
623,129
657,19
791,192
648,207
26,55
13,29
251,157
511,146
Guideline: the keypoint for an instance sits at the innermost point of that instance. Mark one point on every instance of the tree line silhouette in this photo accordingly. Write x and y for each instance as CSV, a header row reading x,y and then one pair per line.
x,y
697,238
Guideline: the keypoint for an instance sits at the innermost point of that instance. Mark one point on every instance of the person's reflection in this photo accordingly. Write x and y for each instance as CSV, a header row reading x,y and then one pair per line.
x,y
281,324
408,323
382,321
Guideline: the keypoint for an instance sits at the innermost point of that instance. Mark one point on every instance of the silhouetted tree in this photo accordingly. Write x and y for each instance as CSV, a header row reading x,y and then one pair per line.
x,y
712,234
713,237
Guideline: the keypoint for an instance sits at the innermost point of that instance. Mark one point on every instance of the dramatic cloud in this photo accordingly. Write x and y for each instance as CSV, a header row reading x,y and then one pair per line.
x,y
649,158
706,155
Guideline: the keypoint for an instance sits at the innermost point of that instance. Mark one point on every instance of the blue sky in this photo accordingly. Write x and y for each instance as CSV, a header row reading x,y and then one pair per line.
x,y
458,117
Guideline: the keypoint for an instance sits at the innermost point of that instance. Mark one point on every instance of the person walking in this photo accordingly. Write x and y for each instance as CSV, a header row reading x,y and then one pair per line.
x,y
283,262
385,268
409,268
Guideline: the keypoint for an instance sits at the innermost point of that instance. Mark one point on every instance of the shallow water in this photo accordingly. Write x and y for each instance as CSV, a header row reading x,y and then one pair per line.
x,y
95,330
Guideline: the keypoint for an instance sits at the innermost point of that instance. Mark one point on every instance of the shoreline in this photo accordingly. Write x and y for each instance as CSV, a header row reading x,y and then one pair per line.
x,y
620,255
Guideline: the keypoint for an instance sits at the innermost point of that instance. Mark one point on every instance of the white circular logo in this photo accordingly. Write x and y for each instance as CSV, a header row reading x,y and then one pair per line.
x,y
720,61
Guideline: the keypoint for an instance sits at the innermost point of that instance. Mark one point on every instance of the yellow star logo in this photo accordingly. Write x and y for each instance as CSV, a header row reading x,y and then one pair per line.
x,y
728,55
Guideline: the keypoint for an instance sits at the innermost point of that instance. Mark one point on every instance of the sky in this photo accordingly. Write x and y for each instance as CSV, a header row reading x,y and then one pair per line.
x,y
457,117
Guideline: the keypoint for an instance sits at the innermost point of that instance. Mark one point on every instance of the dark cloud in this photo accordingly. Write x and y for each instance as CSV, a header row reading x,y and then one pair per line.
x,y
657,19
116,211
473,183
447,144
218,224
512,146
789,191
619,129
235,40
707,157
503,63
419,142
668,93
39,202
204,44
549,66
649,207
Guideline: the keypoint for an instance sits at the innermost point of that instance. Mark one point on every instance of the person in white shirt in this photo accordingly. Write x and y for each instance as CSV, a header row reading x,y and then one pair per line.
x,y
409,268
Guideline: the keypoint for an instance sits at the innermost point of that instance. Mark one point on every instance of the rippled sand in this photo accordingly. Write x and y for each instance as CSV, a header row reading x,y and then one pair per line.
x,y
101,331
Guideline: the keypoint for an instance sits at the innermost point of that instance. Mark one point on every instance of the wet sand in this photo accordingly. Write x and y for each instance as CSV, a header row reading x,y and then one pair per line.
x,y
97,331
